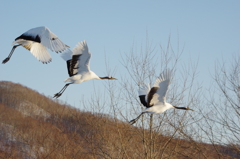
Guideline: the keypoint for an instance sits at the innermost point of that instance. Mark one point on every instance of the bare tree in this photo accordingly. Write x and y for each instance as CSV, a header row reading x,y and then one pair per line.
x,y
222,121
144,66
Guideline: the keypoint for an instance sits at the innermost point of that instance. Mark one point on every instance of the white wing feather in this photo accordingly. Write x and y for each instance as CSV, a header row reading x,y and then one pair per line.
x,y
84,59
163,83
40,52
48,38
144,91
67,55
51,41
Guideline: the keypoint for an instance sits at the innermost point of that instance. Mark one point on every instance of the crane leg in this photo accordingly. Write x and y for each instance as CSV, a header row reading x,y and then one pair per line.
x,y
9,56
135,120
61,91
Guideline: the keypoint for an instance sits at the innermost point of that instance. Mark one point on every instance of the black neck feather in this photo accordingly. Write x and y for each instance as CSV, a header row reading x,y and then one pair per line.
x,y
104,78
180,108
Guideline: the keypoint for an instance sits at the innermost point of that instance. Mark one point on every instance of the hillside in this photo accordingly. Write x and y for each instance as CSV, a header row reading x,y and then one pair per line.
x,y
35,126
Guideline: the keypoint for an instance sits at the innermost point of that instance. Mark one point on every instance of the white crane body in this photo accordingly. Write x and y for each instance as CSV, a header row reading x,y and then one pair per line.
x,y
78,65
154,99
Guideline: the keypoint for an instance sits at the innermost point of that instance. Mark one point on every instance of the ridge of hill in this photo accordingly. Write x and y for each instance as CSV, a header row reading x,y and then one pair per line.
x,y
35,126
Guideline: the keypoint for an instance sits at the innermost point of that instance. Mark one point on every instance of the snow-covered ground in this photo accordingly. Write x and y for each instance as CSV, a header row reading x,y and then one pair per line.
x,y
32,110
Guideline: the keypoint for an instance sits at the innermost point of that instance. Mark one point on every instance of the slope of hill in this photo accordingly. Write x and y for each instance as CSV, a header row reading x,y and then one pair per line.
x,y
35,126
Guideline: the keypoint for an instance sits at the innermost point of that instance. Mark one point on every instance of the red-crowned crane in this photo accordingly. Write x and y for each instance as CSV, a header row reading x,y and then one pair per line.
x,y
78,65
154,99
37,40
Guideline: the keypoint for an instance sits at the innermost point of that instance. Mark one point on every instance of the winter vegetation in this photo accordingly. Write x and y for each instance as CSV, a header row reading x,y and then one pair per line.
x,y
56,130
36,126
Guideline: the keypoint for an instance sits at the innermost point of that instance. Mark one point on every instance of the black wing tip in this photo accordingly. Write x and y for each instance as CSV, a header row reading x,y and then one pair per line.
x,y
62,50
142,100
46,62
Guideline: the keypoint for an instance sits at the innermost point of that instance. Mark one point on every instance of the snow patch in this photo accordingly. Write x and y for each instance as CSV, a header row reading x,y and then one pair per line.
x,y
32,110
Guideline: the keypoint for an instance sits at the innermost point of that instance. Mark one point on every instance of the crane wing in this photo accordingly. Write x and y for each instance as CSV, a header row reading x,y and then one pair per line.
x,y
77,60
158,92
50,40
44,36
81,57
40,52
67,56
143,91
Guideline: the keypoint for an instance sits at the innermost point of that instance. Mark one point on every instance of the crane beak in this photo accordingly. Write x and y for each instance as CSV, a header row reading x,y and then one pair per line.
x,y
114,78
189,109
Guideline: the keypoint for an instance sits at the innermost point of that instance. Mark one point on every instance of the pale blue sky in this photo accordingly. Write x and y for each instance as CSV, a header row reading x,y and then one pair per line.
x,y
208,30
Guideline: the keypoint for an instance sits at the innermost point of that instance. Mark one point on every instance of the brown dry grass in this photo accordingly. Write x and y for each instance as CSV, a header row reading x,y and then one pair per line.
x,y
70,133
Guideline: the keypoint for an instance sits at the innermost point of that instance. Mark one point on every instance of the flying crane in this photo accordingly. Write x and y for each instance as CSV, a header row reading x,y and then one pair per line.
x,y
37,40
154,99
78,65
